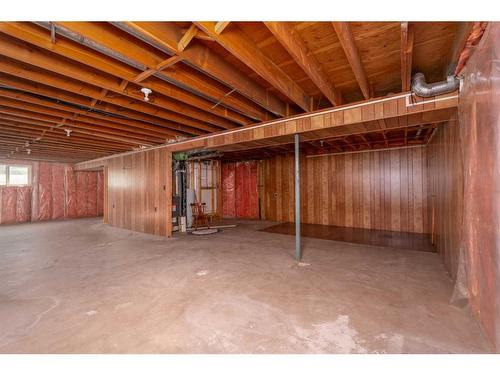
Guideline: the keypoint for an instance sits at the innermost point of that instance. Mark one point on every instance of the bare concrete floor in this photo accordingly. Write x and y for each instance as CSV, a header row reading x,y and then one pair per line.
x,y
80,286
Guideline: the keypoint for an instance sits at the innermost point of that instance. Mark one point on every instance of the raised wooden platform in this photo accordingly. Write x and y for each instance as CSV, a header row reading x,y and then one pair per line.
x,y
400,240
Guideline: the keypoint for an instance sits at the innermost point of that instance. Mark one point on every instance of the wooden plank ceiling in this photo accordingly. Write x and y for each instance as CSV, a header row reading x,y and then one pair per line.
x,y
85,79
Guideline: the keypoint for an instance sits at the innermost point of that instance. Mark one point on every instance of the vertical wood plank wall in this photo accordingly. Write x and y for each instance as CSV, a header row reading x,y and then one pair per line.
x,y
445,174
385,190
140,192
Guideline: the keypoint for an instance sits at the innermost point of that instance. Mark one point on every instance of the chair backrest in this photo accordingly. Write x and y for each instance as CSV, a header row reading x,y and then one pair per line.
x,y
198,208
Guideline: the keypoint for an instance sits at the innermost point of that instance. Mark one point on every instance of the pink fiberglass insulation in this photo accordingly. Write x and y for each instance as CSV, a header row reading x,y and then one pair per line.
x,y
58,192
479,119
239,187
23,204
44,191
228,191
9,203
100,193
247,197
81,193
70,196
34,190
91,194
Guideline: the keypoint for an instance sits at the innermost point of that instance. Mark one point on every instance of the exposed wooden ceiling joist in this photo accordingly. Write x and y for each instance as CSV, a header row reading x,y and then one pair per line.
x,y
344,33
220,26
162,65
59,82
22,100
172,97
36,133
165,35
243,48
187,37
31,136
36,118
184,85
407,38
112,113
373,140
86,77
189,88
286,35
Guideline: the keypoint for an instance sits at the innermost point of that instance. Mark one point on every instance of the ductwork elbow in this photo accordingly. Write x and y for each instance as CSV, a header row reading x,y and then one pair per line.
x,y
421,88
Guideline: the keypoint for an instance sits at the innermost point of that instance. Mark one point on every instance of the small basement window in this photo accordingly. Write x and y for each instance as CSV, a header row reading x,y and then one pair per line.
x,y
15,175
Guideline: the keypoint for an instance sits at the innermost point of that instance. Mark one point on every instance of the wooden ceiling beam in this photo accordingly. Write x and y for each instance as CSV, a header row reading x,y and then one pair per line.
x,y
270,142
199,35
123,115
100,119
187,38
150,64
288,38
244,49
220,26
7,113
344,33
70,144
407,38
48,129
163,65
20,136
88,122
9,149
59,82
52,157
31,135
165,35
102,95
172,97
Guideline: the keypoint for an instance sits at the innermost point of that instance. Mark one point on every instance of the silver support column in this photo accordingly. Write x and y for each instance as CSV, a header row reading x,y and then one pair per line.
x,y
298,250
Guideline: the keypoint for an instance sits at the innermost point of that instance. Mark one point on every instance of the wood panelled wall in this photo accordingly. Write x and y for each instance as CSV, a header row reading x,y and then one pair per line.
x,y
139,192
385,190
446,183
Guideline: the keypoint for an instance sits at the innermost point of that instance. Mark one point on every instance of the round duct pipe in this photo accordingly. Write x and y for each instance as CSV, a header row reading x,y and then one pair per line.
x,y
421,88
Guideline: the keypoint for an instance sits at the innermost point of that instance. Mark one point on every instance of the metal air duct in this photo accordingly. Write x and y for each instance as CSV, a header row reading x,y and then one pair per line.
x,y
421,88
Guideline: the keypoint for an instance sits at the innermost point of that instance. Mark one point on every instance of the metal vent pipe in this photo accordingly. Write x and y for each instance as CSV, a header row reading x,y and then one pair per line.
x,y
421,88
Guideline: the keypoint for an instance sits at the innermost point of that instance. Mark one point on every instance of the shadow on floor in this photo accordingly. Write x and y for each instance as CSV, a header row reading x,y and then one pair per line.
x,y
400,240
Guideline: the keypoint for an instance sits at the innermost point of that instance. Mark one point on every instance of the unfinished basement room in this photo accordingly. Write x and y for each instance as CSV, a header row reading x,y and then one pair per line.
x,y
237,187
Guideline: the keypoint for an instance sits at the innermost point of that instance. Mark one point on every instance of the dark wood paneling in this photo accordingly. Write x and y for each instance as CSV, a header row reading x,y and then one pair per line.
x,y
139,192
385,190
445,174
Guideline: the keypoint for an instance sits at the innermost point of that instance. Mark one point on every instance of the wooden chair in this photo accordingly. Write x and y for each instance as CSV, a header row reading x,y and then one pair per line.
x,y
200,218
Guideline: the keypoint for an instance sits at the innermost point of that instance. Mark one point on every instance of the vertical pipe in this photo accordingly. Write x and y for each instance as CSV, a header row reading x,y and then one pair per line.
x,y
298,251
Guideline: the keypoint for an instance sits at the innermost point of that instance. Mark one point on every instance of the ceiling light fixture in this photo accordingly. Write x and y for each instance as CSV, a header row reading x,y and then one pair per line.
x,y
146,93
